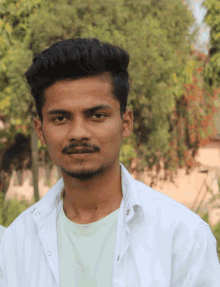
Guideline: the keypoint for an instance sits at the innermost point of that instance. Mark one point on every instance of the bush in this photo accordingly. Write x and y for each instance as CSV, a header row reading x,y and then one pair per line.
x,y
10,209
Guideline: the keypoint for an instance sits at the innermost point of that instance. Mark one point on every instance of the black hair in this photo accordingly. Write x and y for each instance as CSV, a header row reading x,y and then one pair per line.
x,y
79,58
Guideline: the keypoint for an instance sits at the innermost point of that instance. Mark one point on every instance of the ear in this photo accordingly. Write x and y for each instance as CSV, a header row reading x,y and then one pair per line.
x,y
127,125
38,128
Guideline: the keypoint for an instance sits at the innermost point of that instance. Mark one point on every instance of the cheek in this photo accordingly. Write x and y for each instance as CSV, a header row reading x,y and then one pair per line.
x,y
54,140
111,138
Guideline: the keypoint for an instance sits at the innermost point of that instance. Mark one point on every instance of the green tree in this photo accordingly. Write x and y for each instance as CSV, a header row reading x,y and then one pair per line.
x,y
156,35
14,94
212,19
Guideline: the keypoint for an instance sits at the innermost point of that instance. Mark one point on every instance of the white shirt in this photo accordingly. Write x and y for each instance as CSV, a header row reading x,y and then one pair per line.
x,y
158,242
2,229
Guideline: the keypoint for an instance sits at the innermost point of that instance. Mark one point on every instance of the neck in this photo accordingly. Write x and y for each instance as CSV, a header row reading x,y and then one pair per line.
x,y
103,196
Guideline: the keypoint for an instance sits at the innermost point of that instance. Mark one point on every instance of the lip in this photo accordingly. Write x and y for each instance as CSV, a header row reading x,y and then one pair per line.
x,y
80,151
80,155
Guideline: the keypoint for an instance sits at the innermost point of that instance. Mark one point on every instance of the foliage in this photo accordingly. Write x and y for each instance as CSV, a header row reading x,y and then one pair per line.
x,y
15,101
192,117
155,33
11,208
192,106
212,19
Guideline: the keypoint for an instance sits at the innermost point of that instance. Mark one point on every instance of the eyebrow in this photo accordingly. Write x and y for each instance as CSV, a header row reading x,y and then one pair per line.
x,y
91,110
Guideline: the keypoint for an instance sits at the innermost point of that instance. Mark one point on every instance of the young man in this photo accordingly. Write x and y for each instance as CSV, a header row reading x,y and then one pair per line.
x,y
97,226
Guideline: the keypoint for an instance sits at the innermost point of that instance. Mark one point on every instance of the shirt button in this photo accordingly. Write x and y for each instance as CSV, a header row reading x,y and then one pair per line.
x,y
128,211
48,253
38,213
118,257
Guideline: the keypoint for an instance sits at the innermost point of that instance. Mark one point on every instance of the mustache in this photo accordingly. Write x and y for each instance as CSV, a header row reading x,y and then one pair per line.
x,y
94,148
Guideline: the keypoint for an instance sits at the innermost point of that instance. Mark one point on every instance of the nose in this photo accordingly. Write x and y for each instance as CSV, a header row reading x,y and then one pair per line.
x,y
79,130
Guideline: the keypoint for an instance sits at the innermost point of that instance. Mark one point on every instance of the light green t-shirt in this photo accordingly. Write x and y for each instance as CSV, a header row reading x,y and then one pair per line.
x,y
86,251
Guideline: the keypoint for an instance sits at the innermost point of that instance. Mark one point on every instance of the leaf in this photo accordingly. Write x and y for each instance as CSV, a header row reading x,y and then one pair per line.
x,y
5,103
217,36
8,28
175,78
8,89
16,122
3,67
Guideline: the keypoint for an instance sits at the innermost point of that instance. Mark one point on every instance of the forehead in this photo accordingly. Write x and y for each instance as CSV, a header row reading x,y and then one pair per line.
x,y
81,94
83,86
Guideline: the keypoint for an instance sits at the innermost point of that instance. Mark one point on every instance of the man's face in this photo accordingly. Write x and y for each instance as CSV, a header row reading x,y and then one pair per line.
x,y
78,126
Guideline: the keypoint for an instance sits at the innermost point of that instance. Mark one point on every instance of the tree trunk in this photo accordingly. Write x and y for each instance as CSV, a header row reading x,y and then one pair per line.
x,y
5,181
34,153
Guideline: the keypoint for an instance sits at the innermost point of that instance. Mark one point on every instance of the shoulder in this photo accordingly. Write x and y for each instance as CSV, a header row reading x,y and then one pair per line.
x,y
172,217
167,211
165,203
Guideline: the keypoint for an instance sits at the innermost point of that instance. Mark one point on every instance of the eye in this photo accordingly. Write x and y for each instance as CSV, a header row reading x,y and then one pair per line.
x,y
58,118
99,115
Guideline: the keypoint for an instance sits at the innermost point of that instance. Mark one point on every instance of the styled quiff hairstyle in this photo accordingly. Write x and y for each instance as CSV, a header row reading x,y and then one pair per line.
x,y
79,58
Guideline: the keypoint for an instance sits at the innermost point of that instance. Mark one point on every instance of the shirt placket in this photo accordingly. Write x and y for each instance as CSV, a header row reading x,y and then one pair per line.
x,y
120,274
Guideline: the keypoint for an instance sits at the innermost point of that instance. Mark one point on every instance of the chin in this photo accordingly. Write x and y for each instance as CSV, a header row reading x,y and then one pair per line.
x,y
83,172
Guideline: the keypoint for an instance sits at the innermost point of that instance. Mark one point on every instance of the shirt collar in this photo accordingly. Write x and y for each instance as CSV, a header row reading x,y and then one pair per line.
x,y
132,202
131,196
